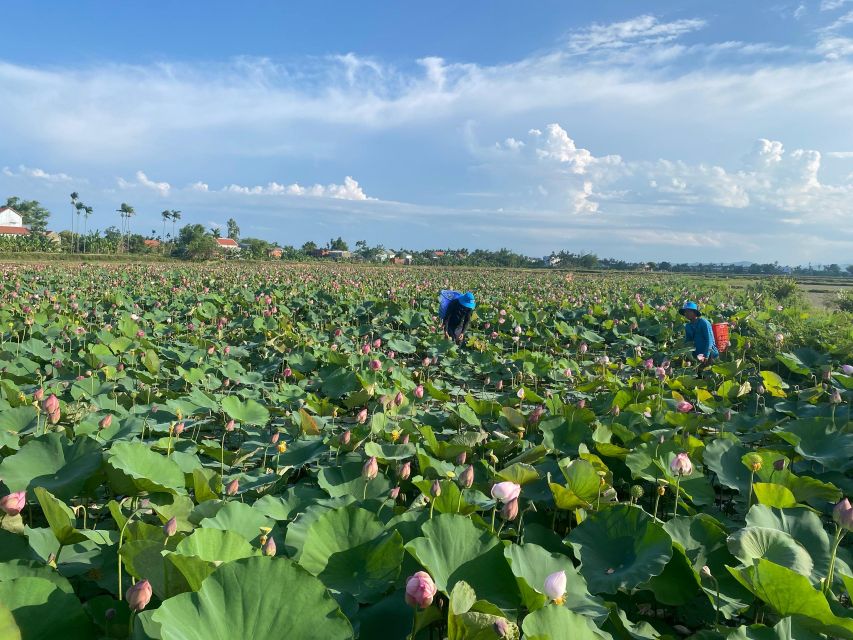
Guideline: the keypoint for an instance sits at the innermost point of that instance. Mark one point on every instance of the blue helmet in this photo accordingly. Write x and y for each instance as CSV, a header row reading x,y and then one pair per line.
x,y
690,306
467,300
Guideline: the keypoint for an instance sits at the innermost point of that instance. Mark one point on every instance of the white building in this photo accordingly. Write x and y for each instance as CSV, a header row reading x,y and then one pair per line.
x,y
11,223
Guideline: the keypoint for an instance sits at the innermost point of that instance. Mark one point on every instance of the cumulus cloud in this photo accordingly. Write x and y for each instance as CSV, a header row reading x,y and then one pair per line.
x,y
142,180
39,174
349,190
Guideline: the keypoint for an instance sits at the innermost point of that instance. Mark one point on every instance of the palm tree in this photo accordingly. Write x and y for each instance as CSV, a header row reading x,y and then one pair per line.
x,y
166,215
74,197
86,213
176,215
126,211
80,207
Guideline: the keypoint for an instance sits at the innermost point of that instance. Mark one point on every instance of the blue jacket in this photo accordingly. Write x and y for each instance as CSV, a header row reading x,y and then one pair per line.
x,y
702,337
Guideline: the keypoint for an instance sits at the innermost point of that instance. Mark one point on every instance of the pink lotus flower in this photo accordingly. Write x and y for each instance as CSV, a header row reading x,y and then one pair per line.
x,y
346,436
394,493
51,405
370,469
287,372
684,407
555,587
365,349
14,503
179,428
38,395
171,527
466,478
269,547
510,510
229,426
520,393
419,391
681,465
375,365
842,513
420,590
435,489
847,369
139,595
106,421
660,373
398,399
567,373
362,416
404,471
232,488
506,491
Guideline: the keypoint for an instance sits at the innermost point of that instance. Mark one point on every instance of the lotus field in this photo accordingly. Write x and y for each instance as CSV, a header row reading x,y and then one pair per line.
x,y
212,452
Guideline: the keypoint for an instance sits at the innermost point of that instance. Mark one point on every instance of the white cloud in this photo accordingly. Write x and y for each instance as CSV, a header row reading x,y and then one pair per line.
x,y
199,186
40,174
142,180
832,5
845,155
800,11
349,190
642,30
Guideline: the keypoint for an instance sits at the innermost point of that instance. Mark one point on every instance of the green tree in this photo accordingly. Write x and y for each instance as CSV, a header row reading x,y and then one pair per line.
x,y
309,248
176,215
216,232
338,244
125,211
233,229
194,243
166,215
32,213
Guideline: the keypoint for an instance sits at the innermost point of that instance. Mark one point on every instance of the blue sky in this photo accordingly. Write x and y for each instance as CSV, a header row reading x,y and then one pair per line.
x,y
686,130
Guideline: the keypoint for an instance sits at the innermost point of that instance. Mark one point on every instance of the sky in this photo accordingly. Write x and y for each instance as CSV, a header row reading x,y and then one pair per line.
x,y
684,130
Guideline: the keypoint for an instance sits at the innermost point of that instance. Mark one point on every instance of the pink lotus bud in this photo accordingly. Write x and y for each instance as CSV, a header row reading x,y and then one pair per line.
x,y
681,465
362,416
404,471
435,489
226,383
139,595
269,547
227,350
567,373
365,349
660,373
179,428
835,396
232,488
419,391
847,369
375,365
229,426
171,527
54,416
398,399
520,393
274,438
377,343
287,372
506,491
140,334
510,510
51,405
405,439
536,414
500,385
466,478
779,465
394,493
501,627
649,364
684,407
13,503
106,421
583,347
842,513
460,459
420,590
370,469
338,333
38,395
555,587
391,355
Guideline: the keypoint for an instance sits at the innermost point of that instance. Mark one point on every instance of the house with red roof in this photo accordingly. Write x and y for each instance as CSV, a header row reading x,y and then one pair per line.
x,y
11,223
229,244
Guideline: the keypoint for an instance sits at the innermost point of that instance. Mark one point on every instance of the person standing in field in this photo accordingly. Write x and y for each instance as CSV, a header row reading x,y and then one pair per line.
x,y
698,332
458,317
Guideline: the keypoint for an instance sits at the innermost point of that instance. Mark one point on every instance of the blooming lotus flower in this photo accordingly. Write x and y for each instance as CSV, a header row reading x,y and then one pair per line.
x,y
555,587
520,393
14,503
420,590
466,478
842,513
681,465
139,595
370,469
649,364
506,491
171,527
419,391
684,407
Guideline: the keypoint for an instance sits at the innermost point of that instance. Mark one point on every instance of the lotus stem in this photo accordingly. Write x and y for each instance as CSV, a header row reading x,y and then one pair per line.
x,y
677,493
830,576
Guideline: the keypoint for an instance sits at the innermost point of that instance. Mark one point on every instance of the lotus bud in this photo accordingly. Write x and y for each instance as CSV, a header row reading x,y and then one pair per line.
x,y
274,438
727,415
346,436
616,411
269,547
179,428
500,385
847,369
229,426
404,471
405,439
398,399
394,493
13,503
660,373
826,374
684,407
520,393
38,395
375,365
681,465
706,572
461,458
506,491
420,590
419,391
509,511
106,421
287,372
139,595
779,465
51,405
171,527
435,489
426,362
501,628
466,478
362,416
54,416
370,469
583,347
842,513
555,587
835,396
232,488
365,349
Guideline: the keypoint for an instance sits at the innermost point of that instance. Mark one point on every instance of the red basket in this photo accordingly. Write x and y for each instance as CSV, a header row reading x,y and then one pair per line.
x,y
721,335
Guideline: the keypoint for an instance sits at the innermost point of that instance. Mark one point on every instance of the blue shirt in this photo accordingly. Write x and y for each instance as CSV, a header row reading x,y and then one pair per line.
x,y
702,337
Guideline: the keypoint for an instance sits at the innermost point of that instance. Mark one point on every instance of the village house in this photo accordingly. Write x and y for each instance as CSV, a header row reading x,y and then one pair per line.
x,y
11,223
228,244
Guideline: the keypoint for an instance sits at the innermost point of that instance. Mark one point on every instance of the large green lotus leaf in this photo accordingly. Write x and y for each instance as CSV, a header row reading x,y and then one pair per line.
x,y
143,559
791,594
25,568
724,456
59,516
346,480
295,500
804,526
241,519
816,439
468,618
215,545
750,543
678,584
185,573
774,495
245,411
13,546
565,433
301,452
453,548
253,598
339,383
385,451
531,565
53,462
558,623
583,486
133,467
42,610
349,550
20,420
620,548
8,627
